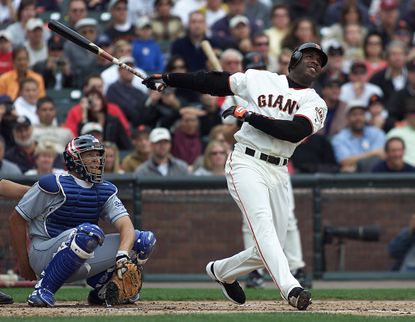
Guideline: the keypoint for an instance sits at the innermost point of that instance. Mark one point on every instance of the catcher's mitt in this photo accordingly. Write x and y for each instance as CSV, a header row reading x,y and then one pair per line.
x,y
125,284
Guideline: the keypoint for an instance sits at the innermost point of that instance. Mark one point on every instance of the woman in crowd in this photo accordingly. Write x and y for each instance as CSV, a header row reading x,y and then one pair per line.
x,y
112,158
214,160
373,48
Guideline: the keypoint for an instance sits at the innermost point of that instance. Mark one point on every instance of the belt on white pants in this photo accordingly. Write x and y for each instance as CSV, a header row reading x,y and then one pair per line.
x,y
280,161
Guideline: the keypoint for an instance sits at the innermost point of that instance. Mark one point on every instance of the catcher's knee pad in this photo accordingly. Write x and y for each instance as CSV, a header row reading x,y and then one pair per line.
x,y
143,245
86,239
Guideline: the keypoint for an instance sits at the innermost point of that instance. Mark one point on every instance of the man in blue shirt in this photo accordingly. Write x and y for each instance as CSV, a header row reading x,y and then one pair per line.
x,y
358,145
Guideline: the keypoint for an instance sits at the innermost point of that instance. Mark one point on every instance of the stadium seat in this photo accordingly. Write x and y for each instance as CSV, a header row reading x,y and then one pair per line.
x,y
64,99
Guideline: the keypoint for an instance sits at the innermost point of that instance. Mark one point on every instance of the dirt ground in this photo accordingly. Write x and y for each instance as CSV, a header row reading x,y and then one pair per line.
x,y
143,308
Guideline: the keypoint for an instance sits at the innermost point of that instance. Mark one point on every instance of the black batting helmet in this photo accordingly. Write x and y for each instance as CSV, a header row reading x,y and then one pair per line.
x,y
298,54
254,60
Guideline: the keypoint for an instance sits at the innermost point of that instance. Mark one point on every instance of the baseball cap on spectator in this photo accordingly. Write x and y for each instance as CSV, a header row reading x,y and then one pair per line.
x,y
353,104
143,22
86,22
6,35
335,49
21,121
410,65
374,99
140,131
238,20
389,4
55,43
358,67
158,134
103,40
91,127
114,2
34,23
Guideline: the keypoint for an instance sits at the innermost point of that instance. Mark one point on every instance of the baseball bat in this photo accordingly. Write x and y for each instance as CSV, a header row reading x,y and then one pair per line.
x,y
81,41
211,56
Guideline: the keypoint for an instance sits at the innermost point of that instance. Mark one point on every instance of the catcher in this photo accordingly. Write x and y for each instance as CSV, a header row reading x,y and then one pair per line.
x,y
66,243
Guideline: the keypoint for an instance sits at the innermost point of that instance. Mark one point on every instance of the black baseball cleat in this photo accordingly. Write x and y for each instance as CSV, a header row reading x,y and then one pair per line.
x,y
233,291
94,299
299,298
5,299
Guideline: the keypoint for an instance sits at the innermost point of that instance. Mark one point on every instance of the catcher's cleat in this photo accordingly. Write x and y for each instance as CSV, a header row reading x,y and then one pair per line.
x,y
5,299
232,291
302,278
299,298
41,297
255,280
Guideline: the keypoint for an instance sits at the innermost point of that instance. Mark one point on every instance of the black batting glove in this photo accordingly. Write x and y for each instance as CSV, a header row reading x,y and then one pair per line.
x,y
239,112
155,82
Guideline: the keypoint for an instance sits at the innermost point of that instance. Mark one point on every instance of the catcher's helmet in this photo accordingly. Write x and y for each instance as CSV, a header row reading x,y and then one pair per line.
x,y
74,161
254,60
298,54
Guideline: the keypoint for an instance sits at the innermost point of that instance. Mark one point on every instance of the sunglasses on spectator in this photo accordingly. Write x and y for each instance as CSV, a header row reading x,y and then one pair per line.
x,y
262,43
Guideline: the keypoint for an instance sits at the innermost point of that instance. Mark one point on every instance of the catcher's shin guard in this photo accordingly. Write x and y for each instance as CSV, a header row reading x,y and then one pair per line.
x,y
143,246
69,258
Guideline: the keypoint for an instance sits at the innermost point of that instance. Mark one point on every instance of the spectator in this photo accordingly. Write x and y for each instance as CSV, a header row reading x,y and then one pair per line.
x,y
394,162
373,48
334,11
302,30
258,12
166,26
187,144
210,117
112,158
221,30
402,248
95,109
231,61
402,98
47,129
9,82
315,154
7,168
358,145
393,77
213,11
161,162
8,13
83,62
357,88
25,11
119,27
7,120
125,95
261,44
407,133
22,154
93,128
284,61
188,46
334,67
376,114
44,155
146,51
25,104
214,160
240,34
142,149
138,9
335,118
56,69
75,114
184,8
35,42
104,42
353,44
388,19
6,52
122,48
280,25
77,10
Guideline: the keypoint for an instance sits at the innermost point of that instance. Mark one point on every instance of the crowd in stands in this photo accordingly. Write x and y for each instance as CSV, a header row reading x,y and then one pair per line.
x,y
368,83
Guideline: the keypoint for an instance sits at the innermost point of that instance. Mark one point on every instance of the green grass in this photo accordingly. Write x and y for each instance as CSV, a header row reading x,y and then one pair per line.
x,y
154,294
183,294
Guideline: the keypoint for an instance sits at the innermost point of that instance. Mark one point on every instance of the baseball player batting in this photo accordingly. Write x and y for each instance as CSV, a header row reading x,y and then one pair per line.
x,y
281,111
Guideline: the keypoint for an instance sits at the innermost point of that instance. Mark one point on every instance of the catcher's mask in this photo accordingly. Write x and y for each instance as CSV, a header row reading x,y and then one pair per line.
x,y
89,169
298,54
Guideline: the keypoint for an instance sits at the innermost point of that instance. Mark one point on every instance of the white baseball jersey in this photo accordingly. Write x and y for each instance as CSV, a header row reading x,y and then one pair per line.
x,y
269,94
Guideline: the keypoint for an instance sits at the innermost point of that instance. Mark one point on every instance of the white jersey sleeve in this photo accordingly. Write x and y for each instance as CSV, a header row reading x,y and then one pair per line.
x,y
314,108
